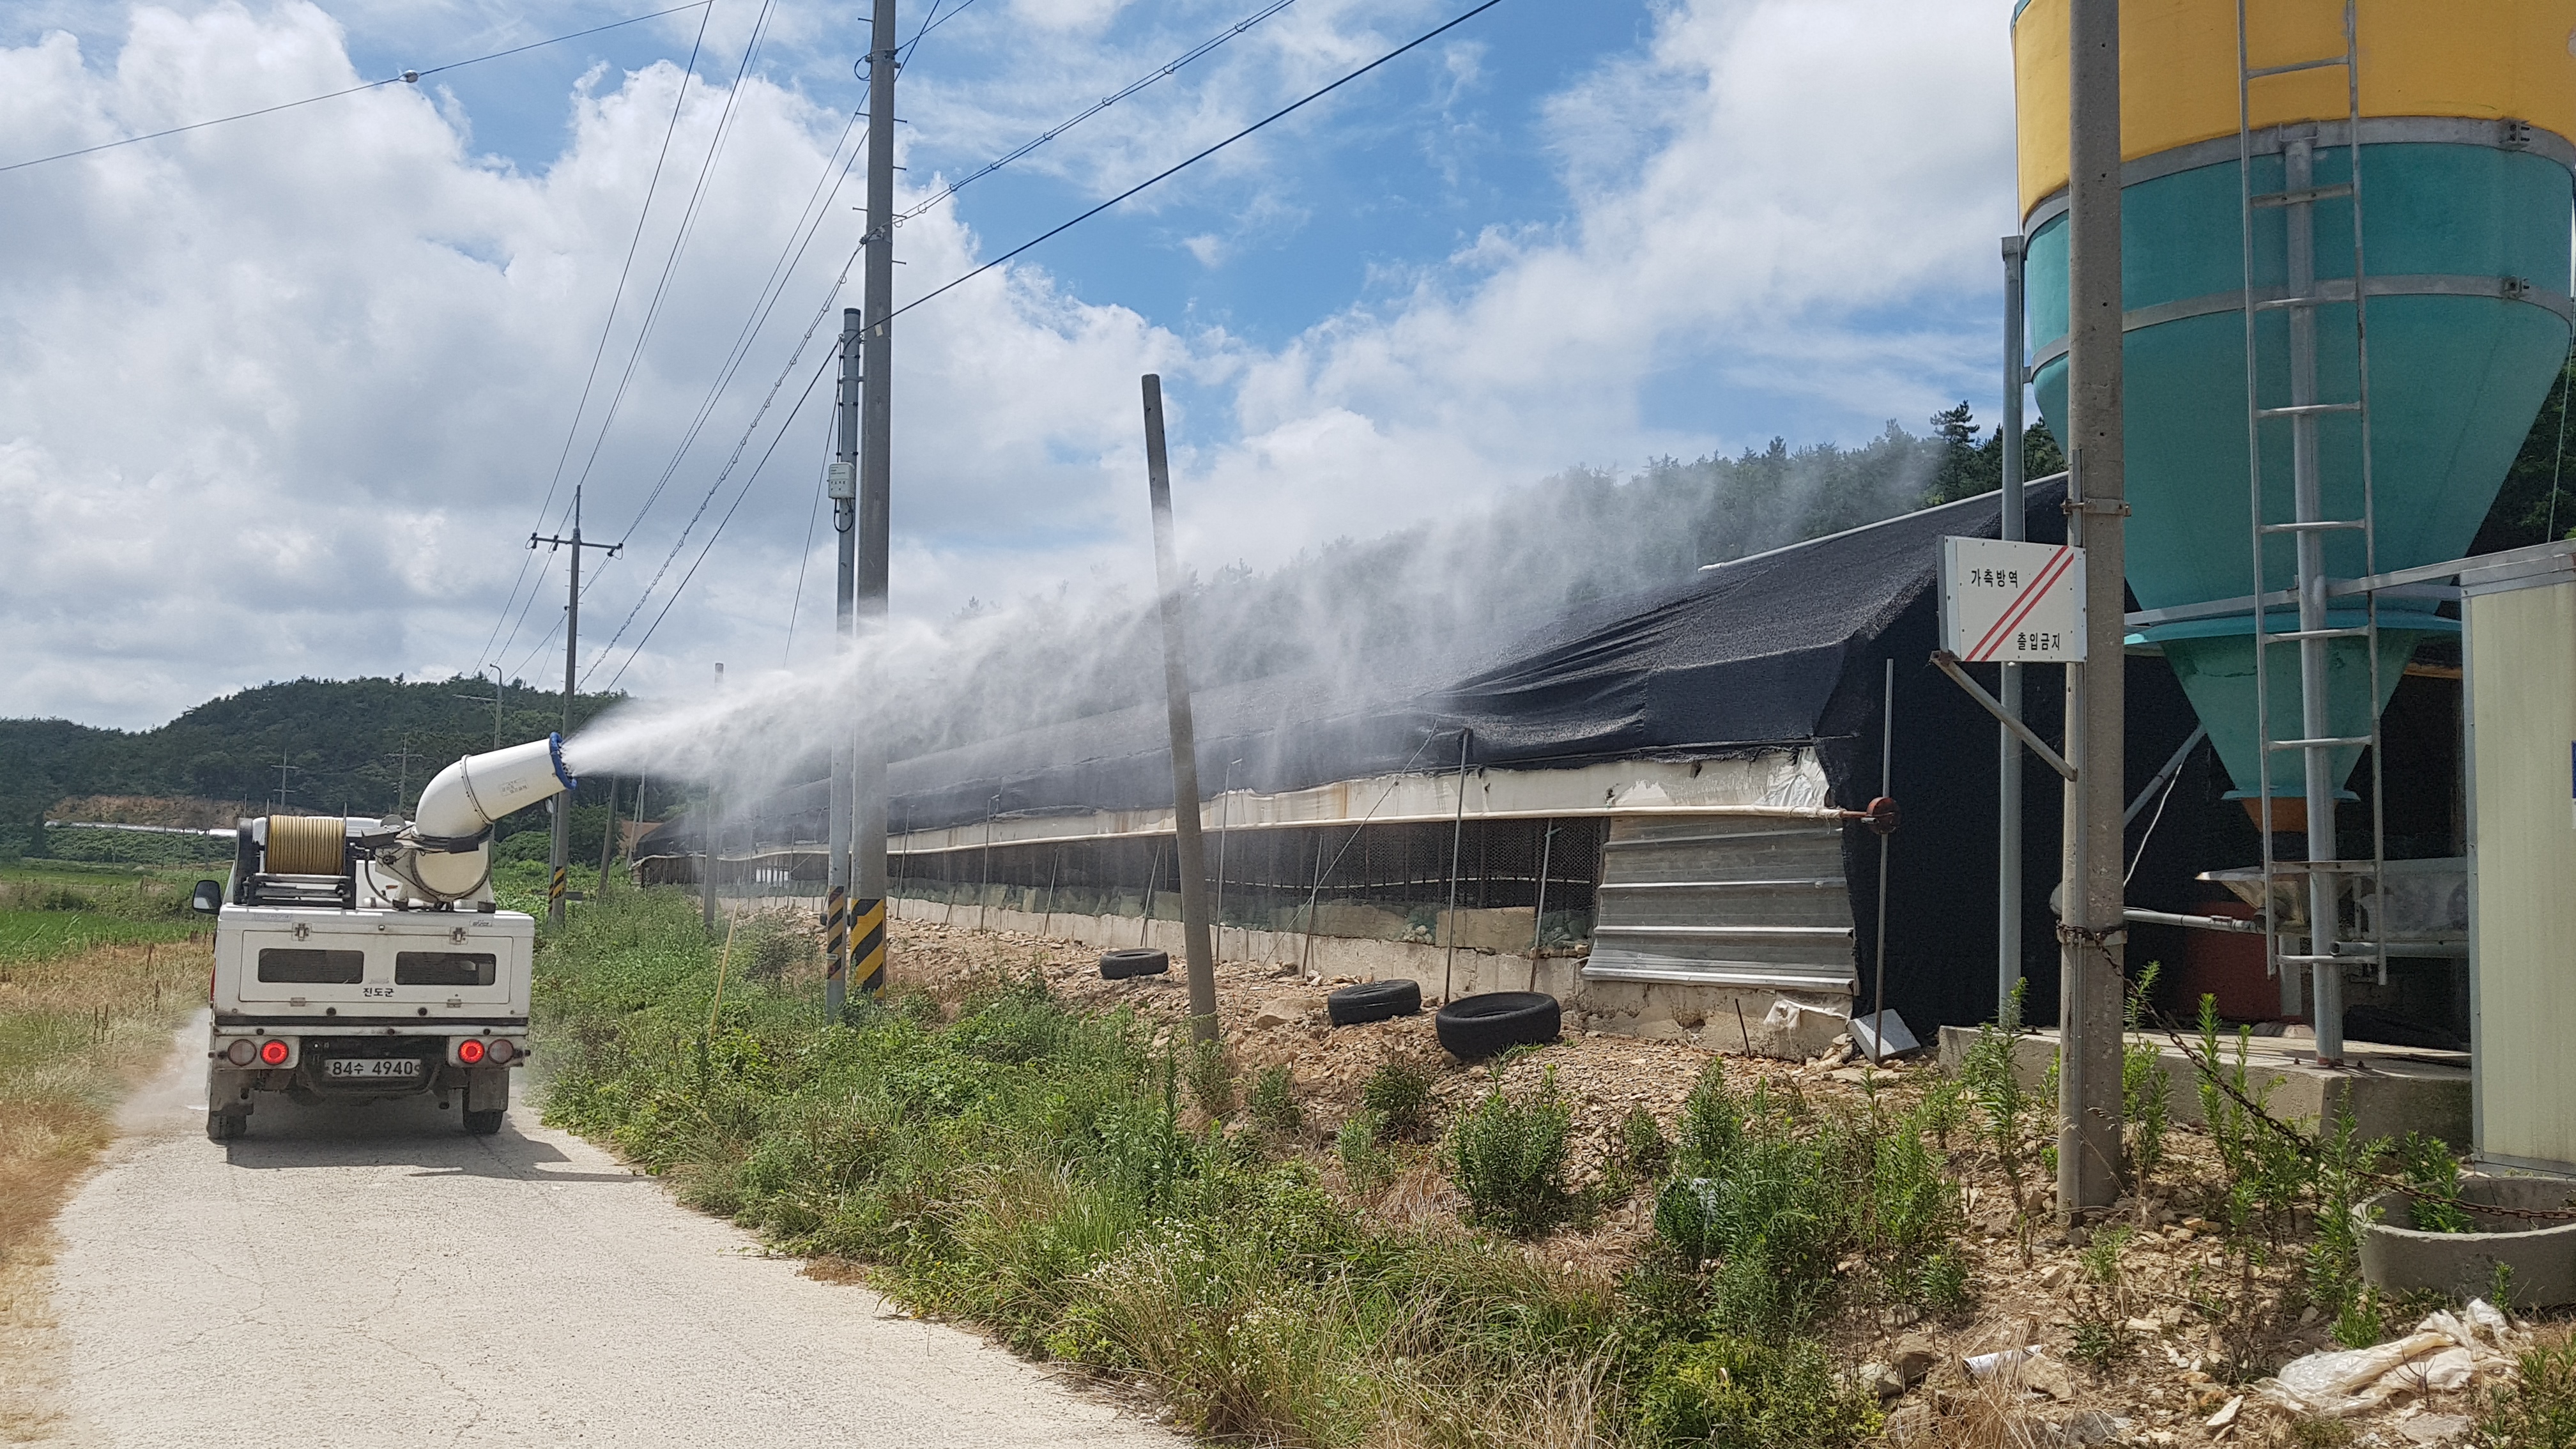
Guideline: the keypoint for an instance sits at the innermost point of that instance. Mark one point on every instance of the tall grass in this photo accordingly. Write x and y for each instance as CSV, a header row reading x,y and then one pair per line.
x,y
1039,1171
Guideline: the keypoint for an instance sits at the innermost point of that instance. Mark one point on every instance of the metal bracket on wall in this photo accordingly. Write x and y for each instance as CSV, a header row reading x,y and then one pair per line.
x,y
1948,663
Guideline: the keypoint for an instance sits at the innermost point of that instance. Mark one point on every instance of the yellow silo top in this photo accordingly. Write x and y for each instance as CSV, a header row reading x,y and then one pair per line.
x,y
2484,59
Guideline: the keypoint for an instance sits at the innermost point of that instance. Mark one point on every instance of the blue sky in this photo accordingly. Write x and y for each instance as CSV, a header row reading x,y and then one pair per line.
x,y
1562,234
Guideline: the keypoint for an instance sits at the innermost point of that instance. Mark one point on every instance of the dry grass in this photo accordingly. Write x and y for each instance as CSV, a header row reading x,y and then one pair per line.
x,y
76,1031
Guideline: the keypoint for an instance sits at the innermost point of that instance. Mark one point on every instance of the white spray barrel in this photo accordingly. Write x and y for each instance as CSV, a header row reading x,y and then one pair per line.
x,y
450,854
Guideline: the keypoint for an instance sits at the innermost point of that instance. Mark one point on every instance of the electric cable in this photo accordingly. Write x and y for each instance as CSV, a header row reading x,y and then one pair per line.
x,y
409,77
750,429
682,586
679,238
725,377
1308,99
791,254
608,324
813,515
1104,103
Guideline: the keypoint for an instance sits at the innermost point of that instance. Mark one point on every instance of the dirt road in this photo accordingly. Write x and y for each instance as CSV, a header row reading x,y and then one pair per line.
x,y
353,1276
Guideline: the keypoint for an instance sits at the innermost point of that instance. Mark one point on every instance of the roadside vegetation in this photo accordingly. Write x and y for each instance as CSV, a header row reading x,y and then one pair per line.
x,y
97,968
1068,1181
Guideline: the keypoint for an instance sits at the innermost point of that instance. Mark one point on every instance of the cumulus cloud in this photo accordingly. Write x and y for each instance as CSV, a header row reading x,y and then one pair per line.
x,y
284,396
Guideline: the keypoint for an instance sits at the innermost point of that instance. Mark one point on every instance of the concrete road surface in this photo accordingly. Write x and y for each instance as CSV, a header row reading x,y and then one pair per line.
x,y
349,1276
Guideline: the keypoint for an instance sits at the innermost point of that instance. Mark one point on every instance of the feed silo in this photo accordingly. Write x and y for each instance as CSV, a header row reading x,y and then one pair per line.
x,y
2366,210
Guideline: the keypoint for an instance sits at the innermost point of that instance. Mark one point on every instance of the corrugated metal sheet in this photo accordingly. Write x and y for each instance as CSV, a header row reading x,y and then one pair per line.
x,y
1724,901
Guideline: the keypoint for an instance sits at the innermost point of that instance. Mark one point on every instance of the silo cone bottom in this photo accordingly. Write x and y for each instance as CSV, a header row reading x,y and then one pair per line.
x,y
2216,671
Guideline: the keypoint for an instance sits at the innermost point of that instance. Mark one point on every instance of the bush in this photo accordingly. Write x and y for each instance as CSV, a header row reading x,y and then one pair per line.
x,y
1778,1196
1272,1102
1736,1393
1366,1163
1211,1080
1399,1091
2538,1410
1507,1156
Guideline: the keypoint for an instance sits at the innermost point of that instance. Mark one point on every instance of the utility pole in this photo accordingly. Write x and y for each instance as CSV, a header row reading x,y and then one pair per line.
x,y
2092,928
402,777
708,834
1185,761
868,766
608,837
2014,518
562,851
841,481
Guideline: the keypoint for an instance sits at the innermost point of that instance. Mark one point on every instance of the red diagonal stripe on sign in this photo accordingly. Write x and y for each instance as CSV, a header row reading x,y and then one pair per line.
x,y
2020,608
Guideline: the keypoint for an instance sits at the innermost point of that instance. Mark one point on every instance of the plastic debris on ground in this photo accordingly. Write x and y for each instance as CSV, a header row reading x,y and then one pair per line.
x,y
2445,1353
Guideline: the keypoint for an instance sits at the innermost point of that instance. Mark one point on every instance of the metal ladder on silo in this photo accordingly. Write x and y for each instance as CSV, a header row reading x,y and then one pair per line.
x,y
2302,294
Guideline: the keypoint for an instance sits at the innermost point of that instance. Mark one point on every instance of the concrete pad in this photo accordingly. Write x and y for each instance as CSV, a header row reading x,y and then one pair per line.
x,y
2390,1091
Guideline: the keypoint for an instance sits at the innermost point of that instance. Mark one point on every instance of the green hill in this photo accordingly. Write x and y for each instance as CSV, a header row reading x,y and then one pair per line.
x,y
342,743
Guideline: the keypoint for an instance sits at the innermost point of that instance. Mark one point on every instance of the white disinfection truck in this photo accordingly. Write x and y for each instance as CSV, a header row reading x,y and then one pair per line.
x,y
365,960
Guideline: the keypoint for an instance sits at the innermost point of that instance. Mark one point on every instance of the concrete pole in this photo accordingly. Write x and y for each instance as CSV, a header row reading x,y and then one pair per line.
x,y
710,836
2008,796
1185,761
876,418
559,855
2091,932
842,483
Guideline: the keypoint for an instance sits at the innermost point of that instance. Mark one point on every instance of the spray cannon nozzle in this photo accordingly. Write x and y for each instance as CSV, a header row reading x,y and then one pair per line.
x,y
467,797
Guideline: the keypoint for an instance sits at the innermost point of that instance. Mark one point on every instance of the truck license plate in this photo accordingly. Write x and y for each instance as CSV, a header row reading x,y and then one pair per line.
x,y
345,1067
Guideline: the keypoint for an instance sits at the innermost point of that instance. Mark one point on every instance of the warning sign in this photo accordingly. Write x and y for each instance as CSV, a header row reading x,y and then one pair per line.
x,y
2020,603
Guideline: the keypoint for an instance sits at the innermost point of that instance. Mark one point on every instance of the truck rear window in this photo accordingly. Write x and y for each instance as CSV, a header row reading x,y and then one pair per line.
x,y
310,967
443,968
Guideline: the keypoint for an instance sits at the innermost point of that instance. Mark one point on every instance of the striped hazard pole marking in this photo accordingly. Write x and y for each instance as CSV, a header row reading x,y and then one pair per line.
x,y
836,934
555,889
868,946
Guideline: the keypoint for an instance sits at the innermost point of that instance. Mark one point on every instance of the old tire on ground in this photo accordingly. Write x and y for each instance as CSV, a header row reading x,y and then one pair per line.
x,y
1373,1001
484,1124
1133,961
1474,1027
225,1126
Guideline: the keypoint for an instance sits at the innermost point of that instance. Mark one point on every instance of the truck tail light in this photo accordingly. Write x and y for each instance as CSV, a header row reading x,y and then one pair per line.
x,y
469,1051
274,1052
241,1051
501,1051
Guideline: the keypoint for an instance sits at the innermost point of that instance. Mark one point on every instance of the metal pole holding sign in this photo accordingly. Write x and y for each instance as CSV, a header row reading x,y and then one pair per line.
x,y
2012,520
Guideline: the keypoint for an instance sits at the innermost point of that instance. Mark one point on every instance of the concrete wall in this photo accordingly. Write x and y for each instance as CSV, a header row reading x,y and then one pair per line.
x,y
1793,1025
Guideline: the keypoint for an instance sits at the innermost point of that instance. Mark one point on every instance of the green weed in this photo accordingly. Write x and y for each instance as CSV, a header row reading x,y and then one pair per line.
x,y
1272,1102
1399,1091
1507,1156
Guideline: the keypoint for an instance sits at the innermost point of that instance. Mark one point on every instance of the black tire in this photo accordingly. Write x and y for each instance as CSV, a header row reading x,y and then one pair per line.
x,y
1473,1027
484,1124
225,1126
1374,1001
1133,961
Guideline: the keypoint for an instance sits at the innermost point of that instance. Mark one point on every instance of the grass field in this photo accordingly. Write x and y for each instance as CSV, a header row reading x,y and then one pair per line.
x,y
97,968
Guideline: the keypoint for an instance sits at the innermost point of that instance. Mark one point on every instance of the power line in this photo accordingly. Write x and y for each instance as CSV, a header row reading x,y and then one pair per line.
x,y
608,324
773,287
796,600
683,585
409,77
1303,101
679,239
1298,104
750,429
733,362
1104,103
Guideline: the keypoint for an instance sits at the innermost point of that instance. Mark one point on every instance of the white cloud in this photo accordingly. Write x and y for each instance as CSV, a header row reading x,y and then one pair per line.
x,y
281,396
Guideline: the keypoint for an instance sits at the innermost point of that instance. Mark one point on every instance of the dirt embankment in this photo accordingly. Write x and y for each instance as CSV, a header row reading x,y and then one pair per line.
x,y
2149,1339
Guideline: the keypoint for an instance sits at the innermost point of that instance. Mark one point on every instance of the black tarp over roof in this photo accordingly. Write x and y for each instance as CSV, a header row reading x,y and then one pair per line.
x,y
1755,653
